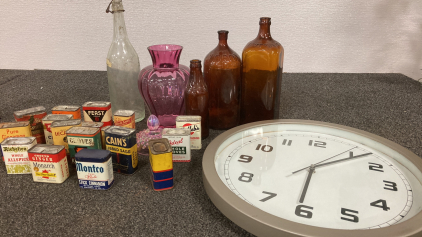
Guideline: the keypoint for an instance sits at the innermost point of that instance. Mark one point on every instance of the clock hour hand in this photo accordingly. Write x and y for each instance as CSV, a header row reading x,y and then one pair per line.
x,y
341,160
308,180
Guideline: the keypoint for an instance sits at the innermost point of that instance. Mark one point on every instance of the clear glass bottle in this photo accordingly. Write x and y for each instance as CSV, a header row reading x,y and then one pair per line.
x,y
123,68
196,96
262,67
222,73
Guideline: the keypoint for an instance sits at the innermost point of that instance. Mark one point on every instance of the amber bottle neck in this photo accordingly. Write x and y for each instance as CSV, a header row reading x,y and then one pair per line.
x,y
195,74
222,38
264,31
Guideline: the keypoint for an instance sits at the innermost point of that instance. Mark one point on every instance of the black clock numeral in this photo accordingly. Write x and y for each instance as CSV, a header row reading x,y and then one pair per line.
x,y
375,167
344,212
287,142
391,185
245,177
269,197
245,158
264,148
317,144
303,213
383,204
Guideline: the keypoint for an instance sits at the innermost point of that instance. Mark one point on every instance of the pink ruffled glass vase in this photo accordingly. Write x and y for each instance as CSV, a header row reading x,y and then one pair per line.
x,y
163,83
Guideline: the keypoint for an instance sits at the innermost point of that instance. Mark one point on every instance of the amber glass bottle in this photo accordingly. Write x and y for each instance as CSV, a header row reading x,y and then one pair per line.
x,y
262,67
222,72
196,96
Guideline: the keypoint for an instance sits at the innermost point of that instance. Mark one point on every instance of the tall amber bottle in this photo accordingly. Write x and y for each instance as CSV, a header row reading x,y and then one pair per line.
x,y
262,68
222,72
196,96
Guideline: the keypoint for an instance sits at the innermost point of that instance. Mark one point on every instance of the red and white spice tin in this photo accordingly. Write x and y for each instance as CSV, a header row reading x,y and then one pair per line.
x,y
98,111
179,139
193,122
48,163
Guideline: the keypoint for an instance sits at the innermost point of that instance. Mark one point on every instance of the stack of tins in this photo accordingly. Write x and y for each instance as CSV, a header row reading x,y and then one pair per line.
x,y
48,163
15,151
34,116
121,142
16,129
161,160
79,138
48,120
95,169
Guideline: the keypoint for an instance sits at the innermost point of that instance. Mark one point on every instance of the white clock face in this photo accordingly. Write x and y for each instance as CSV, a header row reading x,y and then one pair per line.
x,y
373,187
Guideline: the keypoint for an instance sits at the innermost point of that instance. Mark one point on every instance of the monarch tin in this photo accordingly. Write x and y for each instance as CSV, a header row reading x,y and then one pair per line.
x,y
93,124
15,129
121,142
47,120
94,168
48,163
194,124
97,111
34,116
79,138
59,128
124,118
15,151
67,109
160,158
179,139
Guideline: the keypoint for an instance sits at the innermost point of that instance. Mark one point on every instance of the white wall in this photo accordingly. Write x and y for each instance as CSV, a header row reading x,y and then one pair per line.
x,y
318,36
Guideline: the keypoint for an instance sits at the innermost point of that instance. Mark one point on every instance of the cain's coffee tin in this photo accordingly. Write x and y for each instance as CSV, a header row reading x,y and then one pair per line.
x,y
94,168
48,163
193,123
97,111
124,118
179,139
59,128
121,142
15,151
79,138
34,116
74,110
47,120
15,129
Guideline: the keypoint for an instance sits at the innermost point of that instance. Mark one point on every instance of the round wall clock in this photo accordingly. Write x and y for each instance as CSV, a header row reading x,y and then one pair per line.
x,y
308,178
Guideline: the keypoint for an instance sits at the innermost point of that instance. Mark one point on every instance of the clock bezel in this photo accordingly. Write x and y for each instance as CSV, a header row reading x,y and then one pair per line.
x,y
261,223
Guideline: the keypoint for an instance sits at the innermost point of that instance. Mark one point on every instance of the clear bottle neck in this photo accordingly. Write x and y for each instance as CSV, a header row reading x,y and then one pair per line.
x,y
119,26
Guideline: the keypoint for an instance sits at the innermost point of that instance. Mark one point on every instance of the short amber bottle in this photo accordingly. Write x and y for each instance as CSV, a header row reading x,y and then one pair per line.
x,y
222,72
262,67
196,96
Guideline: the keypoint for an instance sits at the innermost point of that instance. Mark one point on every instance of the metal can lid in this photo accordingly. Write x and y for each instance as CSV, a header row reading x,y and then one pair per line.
x,y
92,124
93,155
18,141
103,129
124,113
117,130
30,111
82,131
96,104
57,117
176,132
16,124
66,108
188,118
46,149
159,146
70,122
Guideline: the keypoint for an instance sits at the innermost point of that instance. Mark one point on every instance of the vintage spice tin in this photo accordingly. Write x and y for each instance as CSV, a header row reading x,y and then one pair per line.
x,y
121,142
124,118
47,120
93,124
14,129
48,163
59,128
103,141
34,116
160,158
15,151
74,110
97,111
161,185
79,138
179,139
194,124
94,168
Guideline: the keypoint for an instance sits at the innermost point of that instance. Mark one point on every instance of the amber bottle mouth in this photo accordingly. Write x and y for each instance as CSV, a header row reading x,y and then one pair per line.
x,y
195,63
265,20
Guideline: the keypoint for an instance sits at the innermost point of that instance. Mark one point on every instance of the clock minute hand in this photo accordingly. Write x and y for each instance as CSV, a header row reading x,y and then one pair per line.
x,y
341,160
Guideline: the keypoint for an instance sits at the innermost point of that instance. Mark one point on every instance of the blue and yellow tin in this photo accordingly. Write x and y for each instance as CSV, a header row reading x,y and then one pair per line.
x,y
160,155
